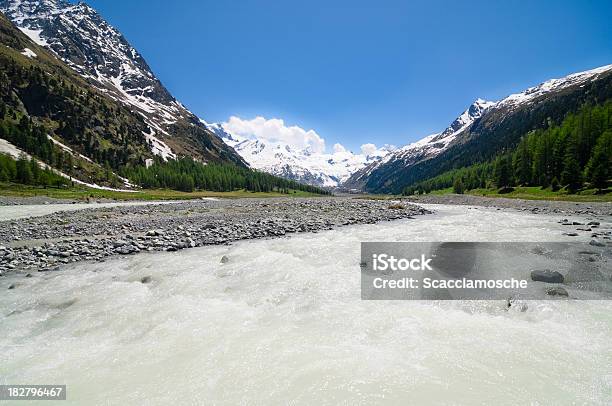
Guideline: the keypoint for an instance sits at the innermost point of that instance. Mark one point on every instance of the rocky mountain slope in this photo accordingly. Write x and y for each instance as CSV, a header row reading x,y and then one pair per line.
x,y
50,112
484,129
81,38
302,165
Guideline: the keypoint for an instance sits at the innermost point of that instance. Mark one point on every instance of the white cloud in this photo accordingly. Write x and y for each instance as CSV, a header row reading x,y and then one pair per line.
x,y
368,149
275,130
339,148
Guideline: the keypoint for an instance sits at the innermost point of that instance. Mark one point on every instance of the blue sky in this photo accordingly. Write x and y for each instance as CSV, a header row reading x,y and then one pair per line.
x,y
355,71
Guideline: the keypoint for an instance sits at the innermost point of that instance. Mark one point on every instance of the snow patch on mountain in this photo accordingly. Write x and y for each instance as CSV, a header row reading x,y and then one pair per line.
x,y
551,85
29,53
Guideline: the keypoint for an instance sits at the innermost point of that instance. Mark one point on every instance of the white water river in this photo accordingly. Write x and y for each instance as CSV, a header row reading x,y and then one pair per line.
x,y
282,322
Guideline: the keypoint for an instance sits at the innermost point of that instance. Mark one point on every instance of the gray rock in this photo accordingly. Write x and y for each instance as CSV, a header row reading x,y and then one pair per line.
x,y
146,279
224,259
596,243
547,276
557,291
516,305
125,249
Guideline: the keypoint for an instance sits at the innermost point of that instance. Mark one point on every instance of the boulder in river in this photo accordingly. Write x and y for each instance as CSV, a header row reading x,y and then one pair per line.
x,y
546,275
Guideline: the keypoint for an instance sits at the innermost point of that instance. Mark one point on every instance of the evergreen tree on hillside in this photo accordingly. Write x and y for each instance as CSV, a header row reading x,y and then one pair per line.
x,y
522,163
577,148
572,174
599,168
502,172
24,172
458,186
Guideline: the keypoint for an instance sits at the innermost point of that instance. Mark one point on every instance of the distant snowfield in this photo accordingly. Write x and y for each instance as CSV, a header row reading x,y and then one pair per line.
x,y
283,320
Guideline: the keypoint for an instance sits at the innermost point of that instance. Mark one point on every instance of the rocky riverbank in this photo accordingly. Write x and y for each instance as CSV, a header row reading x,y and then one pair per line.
x,y
46,243
534,206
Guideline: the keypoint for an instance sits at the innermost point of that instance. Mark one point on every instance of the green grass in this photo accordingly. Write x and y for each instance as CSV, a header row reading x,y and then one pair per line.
x,y
537,193
83,193
442,191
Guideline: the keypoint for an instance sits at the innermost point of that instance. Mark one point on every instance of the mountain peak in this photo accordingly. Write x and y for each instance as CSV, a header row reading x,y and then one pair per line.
x,y
79,36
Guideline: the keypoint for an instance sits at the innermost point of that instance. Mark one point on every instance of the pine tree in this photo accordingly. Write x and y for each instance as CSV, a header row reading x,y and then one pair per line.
x,y
502,170
522,164
458,186
599,168
554,184
24,174
572,174
35,170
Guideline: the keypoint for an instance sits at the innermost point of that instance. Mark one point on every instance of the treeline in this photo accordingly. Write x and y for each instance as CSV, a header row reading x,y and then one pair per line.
x,y
574,154
186,174
28,172
108,134
32,138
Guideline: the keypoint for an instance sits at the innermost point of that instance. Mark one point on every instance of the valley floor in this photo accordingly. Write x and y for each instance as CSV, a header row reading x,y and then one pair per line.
x,y
95,232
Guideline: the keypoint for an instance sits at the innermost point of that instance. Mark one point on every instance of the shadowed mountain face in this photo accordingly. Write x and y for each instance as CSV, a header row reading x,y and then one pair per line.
x,y
483,130
81,38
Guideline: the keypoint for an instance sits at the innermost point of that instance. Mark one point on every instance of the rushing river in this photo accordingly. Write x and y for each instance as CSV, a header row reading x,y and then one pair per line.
x,y
282,322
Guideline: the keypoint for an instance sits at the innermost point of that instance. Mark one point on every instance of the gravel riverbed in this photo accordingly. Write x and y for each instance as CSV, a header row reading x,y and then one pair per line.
x,y
534,206
46,243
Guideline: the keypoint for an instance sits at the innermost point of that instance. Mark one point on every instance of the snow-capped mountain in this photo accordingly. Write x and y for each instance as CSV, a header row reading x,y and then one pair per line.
x,y
81,38
426,147
550,86
482,127
300,164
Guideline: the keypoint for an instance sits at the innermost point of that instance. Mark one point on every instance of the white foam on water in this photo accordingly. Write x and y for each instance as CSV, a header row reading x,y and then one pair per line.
x,y
282,321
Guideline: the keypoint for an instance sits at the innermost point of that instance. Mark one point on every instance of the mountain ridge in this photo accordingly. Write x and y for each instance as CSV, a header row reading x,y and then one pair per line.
x,y
79,36
498,125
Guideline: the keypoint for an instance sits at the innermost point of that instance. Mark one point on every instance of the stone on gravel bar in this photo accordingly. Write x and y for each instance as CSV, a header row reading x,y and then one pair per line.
x,y
557,291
